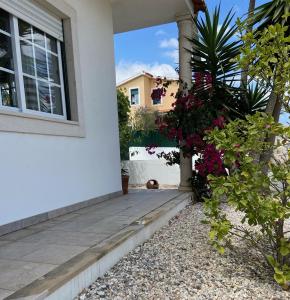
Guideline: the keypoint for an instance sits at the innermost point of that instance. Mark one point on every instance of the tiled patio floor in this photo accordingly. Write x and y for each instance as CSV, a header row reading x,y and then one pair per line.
x,y
28,254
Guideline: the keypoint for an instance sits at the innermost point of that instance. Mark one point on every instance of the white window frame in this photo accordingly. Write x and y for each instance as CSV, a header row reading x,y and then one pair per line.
x,y
139,97
12,120
19,74
161,99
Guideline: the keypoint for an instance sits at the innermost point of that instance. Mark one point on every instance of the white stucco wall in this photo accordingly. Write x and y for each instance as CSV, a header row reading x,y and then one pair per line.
x,y
40,173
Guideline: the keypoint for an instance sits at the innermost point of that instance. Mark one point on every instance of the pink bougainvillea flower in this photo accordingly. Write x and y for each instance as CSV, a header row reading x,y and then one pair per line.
x,y
219,122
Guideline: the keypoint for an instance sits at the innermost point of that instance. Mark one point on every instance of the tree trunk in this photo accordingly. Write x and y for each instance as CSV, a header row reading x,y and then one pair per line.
x,y
274,109
244,75
272,103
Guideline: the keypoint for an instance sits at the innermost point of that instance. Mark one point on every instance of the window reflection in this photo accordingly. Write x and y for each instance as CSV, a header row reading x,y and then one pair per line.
x,y
4,21
27,58
30,93
41,65
8,90
44,97
53,68
6,59
25,30
56,100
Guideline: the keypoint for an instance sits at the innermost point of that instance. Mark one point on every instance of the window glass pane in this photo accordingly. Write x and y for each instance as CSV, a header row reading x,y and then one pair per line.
x,y
38,37
56,100
134,96
53,68
156,101
6,59
30,93
41,66
27,58
44,97
8,90
25,30
4,21
51,43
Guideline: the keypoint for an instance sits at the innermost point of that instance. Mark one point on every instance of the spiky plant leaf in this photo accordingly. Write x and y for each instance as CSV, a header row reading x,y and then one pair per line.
x,y
275,11
216,46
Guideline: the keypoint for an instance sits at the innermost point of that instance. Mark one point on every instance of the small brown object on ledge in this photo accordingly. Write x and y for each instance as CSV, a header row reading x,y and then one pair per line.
x,y
125,184
199,5
152,184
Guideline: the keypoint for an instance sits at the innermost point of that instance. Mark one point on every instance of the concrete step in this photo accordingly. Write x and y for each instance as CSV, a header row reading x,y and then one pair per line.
x,y
69,279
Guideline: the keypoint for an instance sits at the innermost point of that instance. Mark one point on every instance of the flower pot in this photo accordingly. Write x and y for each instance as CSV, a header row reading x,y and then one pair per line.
x,y
125,184
152,184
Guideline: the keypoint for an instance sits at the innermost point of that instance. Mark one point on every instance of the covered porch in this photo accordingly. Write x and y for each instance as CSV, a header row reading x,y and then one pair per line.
x,y
56,259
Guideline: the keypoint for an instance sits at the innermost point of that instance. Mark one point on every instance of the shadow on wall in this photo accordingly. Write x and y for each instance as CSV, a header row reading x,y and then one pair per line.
x,y
141,171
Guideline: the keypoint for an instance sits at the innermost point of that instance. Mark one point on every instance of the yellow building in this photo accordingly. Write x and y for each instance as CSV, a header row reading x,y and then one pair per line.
x,y
139,90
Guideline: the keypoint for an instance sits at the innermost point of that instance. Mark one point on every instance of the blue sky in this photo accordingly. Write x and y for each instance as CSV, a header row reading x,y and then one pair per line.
x,y
155,49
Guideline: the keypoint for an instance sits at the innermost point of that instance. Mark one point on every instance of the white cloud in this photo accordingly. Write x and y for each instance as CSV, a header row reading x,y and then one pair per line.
x,y
174,55
169,43
160,32
126,69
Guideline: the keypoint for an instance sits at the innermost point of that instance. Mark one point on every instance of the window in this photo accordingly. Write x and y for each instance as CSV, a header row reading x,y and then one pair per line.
x,y
134,96
31,76
156,96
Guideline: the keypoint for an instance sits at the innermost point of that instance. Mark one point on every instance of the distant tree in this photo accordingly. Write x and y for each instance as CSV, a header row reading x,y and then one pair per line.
x,y
143,120
124,127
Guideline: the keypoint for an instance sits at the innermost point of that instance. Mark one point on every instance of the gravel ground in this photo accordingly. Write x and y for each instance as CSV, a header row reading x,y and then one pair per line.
x,y
178,263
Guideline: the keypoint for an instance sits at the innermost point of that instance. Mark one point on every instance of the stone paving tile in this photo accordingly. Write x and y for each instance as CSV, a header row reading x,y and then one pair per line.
x,y
75,226
67,217
2,243
54,254
64,238
30,253
17,235
17,274
44,225
16,250
5,293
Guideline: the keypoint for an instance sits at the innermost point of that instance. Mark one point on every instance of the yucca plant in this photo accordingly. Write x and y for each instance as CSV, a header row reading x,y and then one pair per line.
x,y
254,100
215,47
272,12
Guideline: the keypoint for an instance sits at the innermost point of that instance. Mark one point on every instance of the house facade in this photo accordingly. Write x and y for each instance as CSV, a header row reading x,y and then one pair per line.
x,y
58,111
140,89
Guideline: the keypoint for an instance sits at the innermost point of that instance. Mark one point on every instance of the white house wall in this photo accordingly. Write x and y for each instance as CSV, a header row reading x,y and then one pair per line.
x,y
40,173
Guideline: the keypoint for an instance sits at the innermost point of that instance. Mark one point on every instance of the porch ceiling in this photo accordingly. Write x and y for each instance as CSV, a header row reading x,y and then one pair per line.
x,y
136,14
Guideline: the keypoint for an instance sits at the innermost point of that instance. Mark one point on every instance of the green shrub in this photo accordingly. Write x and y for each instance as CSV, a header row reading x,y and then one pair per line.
x,y
263,198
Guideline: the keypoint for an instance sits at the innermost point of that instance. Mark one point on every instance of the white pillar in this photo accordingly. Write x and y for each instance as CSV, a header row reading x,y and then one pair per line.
x,y
187,31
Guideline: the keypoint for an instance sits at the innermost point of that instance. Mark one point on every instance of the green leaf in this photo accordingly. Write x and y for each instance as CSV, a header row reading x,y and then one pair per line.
x,y
271,260
212,234
281,279
284,251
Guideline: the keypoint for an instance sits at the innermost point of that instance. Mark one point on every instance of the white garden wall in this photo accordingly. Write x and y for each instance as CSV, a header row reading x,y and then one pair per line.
x,y
140,153
143,170
144,166
40,173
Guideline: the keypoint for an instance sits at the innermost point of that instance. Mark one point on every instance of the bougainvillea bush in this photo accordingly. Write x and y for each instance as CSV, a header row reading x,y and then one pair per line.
x,y
192,115
212,102
262,198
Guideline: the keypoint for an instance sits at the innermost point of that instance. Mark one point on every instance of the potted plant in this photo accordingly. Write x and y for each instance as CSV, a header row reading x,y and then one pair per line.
x,y
125,180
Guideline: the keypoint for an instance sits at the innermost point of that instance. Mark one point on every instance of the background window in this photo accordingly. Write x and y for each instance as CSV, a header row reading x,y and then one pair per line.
x,y
134,96
157,96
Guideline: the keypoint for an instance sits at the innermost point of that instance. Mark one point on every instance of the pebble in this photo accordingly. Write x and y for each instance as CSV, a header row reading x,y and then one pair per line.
x,y
178,263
